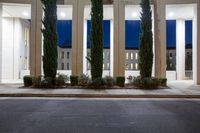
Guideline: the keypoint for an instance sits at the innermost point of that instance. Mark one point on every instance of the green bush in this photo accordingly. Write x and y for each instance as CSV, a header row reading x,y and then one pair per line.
x,y
61,79
120,81
46,83
28,80
163,82
83,80
97,83
37,81
109,81
74,80
149,83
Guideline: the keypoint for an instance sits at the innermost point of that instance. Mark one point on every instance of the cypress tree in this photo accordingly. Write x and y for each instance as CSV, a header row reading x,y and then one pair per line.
x,y
96,39
146,40
50,38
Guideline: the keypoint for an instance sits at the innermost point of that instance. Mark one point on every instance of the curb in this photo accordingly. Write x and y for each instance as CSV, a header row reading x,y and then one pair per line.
x,y
99,96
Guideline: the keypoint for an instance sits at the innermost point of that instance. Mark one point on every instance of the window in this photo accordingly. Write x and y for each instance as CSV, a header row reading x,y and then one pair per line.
x,y
62,55
127,55
136,56
67,55
171,64
170,55
108,55
108,65
62,66
136,66
131,66
131,56
127,66
67,66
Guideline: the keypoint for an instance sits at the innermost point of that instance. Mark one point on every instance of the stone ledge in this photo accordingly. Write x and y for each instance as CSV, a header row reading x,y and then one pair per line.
x,y
98,95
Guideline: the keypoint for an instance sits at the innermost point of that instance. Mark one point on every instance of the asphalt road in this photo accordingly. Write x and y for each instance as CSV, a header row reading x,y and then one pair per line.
x,y
99,116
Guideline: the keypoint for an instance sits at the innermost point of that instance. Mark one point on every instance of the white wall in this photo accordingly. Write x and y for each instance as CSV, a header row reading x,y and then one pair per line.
x,y
13,49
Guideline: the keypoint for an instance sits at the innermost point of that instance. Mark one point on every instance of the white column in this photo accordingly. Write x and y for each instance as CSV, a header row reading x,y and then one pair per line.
x,y
85,48
180,49
111,46
197,54
153,31
1,43
194,47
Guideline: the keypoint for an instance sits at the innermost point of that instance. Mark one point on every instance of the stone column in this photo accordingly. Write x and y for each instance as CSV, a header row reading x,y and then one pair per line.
x,y
180,49
74,37
119,38
32,38
39,42
36,38
79,51
160,38
198,44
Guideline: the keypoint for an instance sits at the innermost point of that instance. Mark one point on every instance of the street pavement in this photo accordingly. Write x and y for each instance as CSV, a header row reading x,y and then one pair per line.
x,y
31,115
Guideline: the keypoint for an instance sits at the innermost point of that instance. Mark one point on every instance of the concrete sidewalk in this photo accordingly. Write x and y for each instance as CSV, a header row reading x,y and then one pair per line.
x,y
178,89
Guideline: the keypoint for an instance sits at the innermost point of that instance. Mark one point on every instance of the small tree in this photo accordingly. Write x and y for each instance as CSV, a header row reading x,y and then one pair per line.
x,y
96,39
50,38
146,40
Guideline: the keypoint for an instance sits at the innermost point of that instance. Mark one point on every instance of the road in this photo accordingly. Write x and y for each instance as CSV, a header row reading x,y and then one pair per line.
x,y
99,116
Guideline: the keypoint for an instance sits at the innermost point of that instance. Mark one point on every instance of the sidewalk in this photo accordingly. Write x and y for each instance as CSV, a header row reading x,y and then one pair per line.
x,y
178,89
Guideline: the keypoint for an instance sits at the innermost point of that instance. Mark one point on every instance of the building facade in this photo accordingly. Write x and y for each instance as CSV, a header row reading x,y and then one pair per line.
x,y
117,11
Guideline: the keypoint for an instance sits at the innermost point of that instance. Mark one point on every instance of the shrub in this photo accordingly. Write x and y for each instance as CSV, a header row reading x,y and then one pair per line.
x,y
148,83
163,82
97,83
109,81
61,79
46,83
28,80
37,81
74,80
83,80
120,81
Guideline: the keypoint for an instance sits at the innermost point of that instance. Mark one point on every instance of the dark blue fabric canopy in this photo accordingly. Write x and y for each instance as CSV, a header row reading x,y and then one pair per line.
x,y
64,31
132,33
106,33
171,33
188,33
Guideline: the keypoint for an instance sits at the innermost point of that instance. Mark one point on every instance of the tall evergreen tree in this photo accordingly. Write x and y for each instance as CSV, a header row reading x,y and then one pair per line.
x,y
146,40
50,38
96,39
